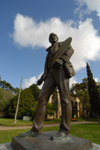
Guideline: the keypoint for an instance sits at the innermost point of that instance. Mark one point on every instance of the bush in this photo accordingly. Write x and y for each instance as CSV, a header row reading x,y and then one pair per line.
x,y
26,104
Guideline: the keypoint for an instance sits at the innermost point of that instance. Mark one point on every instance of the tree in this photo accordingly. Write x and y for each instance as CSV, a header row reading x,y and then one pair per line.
x,y
6,93
81,90
93,93
98,87
49,110
35,91
7,86
8,99
26,104
5,97
55,101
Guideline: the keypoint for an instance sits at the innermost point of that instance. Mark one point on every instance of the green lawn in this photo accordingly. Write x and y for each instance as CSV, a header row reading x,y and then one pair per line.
x,y
87,131
20,122
10,122
90,119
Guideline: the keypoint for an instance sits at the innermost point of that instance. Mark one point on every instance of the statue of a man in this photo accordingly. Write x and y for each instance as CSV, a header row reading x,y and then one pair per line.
x,y
54,75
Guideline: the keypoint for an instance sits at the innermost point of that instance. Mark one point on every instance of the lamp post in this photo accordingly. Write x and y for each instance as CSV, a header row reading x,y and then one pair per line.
x,y
18,101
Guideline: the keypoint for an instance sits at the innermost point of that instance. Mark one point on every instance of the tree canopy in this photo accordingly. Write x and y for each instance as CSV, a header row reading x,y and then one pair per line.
x,y
35,91
5,96
27,103
6,93
93,93
55,101
7,86
81,90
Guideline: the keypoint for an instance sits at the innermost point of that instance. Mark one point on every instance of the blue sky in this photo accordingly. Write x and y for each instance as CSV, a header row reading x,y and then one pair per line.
x,y
25,26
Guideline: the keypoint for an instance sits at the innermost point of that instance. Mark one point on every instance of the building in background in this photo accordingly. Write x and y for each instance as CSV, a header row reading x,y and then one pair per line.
x,y
76,108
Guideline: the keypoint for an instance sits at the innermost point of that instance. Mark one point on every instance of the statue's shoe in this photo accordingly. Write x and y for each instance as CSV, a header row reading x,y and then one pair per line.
x,y
59,136
30,133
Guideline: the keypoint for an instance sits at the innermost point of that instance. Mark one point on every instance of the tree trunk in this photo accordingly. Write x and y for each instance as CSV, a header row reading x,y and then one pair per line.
x,y
57,114
88,113
98,119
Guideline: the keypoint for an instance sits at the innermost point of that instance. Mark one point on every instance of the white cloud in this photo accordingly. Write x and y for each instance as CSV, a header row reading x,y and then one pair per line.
x,y
96,79
72,81
92,5
27,32
86,42
29,82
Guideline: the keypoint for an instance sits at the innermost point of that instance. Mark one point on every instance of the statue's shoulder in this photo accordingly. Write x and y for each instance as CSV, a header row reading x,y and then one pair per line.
x,y
56,45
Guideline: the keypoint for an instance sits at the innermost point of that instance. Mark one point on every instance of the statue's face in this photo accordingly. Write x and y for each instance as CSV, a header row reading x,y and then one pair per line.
x,y
53,38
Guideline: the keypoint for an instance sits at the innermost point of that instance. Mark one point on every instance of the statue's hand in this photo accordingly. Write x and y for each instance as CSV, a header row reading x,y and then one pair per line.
x,y
39,82
58,63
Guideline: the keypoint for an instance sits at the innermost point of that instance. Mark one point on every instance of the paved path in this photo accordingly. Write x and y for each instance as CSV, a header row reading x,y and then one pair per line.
x,y
45,125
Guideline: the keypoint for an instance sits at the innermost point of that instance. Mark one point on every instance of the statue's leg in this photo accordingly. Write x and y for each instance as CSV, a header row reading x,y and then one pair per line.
x,y
66,106
66,116
48,88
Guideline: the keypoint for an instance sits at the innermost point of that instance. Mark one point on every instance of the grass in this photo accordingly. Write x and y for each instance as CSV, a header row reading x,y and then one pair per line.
x,y
90,119
87,131
10,122
20,122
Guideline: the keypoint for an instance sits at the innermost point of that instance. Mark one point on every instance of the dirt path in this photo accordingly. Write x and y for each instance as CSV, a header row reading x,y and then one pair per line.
x,y
45,125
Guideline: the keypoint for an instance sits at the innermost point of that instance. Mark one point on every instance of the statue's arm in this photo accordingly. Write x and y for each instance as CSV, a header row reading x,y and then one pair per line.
x,y
39,82
67,55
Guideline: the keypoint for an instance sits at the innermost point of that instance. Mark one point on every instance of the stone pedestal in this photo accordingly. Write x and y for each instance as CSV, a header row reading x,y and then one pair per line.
x,y
43,142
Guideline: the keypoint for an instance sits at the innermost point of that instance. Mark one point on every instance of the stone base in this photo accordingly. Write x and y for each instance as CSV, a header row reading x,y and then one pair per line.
x,y
43,142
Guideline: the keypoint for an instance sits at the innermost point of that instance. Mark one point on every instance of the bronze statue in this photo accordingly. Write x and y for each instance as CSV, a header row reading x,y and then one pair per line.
x,y
57,71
